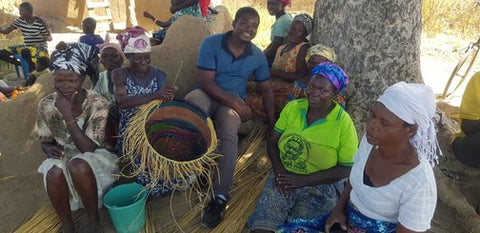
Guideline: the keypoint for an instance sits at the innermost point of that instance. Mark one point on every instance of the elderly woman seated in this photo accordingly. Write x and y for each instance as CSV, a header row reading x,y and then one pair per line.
x,y
311,152
71,123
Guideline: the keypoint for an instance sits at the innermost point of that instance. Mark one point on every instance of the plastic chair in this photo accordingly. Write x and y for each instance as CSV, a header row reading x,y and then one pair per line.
x,y
23,64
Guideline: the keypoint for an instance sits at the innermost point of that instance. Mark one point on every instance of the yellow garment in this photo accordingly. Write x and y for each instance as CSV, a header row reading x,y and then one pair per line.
x,y
470,106
323,51
287,62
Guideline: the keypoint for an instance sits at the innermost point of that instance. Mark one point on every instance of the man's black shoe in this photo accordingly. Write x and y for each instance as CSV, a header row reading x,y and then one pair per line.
x,y
213,214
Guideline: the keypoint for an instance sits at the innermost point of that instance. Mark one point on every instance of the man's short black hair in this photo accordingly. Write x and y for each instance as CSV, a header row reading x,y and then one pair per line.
x,y
27,6
246,10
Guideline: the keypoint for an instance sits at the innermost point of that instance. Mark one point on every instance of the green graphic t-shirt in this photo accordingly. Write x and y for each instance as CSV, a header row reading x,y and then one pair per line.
x,y
306,149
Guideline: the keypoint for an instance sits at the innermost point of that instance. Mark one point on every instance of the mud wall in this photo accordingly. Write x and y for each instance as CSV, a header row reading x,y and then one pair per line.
x,y
72,12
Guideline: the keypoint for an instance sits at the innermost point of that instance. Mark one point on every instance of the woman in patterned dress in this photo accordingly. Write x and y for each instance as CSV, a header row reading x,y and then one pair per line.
x,y
138,84
70,124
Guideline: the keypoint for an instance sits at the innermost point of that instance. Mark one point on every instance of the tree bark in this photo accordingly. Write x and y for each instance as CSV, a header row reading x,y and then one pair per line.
x,y
377,43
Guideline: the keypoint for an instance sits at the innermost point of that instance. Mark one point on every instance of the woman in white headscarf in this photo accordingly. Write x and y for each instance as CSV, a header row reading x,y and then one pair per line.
x,y
71,124
392,187
138,84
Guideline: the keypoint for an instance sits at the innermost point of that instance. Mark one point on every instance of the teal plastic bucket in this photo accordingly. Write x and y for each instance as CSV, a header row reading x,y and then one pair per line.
x,y
126,205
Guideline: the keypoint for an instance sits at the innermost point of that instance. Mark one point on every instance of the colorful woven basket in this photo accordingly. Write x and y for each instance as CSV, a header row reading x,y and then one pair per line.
x,y
174,140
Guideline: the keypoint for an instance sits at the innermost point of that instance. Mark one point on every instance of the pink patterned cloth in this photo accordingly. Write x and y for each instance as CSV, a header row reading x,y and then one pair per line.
x,y
134,40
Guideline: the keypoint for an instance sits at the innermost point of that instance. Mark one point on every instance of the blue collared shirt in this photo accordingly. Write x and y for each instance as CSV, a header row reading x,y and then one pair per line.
x,y
232,73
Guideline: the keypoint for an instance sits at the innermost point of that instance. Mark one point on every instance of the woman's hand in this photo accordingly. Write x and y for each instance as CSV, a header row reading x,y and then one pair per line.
x,y
291,181
277,184
336,217
53,150
284,191
165,94
65,105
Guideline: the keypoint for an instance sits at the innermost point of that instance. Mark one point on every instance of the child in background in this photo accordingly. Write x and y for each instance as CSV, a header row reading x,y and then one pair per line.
x,y
89,24
40,68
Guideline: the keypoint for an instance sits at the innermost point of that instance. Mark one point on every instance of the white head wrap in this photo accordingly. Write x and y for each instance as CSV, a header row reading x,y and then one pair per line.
x,y
134,40
415,104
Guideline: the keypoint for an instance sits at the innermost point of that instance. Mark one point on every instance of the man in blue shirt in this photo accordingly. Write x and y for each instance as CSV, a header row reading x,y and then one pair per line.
x,y
225,64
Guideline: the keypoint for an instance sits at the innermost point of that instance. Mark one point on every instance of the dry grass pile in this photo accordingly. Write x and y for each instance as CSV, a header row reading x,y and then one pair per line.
x,y
249,178
44,221
455,17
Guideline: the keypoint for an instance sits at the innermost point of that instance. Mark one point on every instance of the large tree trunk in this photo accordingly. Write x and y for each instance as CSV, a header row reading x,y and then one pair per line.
x,y
377,43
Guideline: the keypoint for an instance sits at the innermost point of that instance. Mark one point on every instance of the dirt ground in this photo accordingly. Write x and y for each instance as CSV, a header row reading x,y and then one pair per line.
x,y
22,188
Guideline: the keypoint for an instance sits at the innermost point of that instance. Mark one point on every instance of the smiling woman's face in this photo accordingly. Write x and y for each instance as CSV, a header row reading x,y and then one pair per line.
x,y
139,62
67,82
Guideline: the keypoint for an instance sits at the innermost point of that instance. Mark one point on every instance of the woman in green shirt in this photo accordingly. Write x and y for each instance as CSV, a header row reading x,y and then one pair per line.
x,y
311,152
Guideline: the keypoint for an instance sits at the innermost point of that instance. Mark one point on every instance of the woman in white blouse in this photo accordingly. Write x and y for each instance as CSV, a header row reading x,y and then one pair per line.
x,y
392,187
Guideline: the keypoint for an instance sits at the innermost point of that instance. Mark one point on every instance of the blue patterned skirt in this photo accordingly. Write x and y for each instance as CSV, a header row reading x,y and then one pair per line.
x,y
356,223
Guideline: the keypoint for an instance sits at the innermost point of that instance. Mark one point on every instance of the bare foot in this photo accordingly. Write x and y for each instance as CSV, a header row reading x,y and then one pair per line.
x,y
93,228
68,229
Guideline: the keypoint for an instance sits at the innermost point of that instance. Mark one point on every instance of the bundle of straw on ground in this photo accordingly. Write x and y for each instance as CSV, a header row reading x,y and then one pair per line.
x,y
249,178
44,221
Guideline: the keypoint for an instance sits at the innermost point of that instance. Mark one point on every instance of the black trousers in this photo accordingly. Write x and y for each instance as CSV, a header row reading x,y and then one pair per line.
x,y
467,149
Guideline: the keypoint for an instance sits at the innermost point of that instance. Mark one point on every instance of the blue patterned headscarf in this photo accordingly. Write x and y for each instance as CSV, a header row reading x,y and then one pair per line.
x,y
333,73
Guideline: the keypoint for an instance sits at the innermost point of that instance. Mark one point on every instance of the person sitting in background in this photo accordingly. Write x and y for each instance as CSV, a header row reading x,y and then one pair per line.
x,y
280,27
466,146
392,186
288,66
88,25
315,55
35,34
41,68
70,125
178,9
138,84
311,152
112,57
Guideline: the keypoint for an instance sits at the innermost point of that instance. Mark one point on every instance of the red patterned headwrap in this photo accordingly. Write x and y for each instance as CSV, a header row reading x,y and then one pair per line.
x,y
287,2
